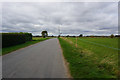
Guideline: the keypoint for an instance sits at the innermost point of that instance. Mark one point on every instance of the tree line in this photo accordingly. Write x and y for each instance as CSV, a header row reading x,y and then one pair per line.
x,y
45,34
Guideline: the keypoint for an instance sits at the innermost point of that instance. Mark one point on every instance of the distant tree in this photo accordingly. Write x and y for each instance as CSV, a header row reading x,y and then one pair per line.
x,y
58,36
73,36
44,34
92,36
81,35
112,36
52,36
67,36
117,35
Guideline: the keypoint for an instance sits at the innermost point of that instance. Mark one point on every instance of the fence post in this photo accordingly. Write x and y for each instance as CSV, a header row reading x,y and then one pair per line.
x,y
76,41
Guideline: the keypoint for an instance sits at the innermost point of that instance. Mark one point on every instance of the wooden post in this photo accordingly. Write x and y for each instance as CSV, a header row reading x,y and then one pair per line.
x,y
76,41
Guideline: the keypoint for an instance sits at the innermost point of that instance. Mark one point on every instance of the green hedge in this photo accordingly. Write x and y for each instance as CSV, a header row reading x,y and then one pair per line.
x,y
10,39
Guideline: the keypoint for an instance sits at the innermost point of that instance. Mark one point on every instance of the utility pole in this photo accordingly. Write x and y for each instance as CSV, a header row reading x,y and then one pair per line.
x,y
58,31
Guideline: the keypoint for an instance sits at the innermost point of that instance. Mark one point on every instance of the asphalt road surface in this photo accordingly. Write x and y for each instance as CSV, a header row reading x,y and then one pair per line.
x,y
41,60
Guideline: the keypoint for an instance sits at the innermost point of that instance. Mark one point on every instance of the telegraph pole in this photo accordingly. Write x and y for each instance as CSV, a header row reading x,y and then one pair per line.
x,y
58,31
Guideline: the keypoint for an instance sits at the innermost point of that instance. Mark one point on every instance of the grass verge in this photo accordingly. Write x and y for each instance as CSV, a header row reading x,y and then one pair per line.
x,y
16,47
84,63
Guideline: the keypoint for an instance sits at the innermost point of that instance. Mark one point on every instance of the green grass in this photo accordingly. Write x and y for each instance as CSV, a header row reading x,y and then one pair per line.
x,y
16,47
89,60
111,42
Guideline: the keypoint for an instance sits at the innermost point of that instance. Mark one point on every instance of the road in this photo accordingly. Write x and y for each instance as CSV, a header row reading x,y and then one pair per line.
x,y
41,60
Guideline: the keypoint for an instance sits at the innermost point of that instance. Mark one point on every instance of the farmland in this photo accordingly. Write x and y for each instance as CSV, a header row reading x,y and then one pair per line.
x,y
92,57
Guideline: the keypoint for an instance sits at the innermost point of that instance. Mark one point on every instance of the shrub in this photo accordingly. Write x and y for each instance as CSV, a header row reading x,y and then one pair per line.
x,y
112,36
10,39
81,35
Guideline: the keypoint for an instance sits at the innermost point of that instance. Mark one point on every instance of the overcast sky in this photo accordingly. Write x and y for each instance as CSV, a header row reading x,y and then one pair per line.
x,y
73,18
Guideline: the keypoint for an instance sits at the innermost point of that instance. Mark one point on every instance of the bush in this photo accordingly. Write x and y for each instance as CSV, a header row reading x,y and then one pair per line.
x,y
81,35
112,36
10,39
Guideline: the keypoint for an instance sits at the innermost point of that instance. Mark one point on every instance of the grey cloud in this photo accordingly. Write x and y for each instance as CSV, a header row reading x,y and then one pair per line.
x,y
74,18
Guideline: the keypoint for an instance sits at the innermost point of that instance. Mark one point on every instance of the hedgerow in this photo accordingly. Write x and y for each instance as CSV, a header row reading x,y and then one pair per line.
x,y
10,39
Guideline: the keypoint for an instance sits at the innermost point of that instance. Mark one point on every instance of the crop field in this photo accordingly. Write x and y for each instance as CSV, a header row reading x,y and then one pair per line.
x,y
91,57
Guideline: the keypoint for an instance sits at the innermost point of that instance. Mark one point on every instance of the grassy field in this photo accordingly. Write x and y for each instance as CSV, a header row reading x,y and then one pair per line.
x,y
16,47
92,58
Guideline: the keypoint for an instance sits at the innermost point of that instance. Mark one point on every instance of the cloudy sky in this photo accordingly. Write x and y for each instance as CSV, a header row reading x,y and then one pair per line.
x,y
73,18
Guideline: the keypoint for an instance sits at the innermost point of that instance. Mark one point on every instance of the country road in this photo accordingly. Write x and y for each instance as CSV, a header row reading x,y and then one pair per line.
x,y
41,60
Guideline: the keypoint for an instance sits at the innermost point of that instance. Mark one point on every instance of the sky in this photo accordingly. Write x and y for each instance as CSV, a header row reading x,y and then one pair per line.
x,y
72,18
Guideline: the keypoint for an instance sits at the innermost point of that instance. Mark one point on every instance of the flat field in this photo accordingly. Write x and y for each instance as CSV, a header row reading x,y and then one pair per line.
x,y
91,57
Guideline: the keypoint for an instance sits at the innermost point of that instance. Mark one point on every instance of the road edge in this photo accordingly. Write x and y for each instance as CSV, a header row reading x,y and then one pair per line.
x,y
65,63
24,47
